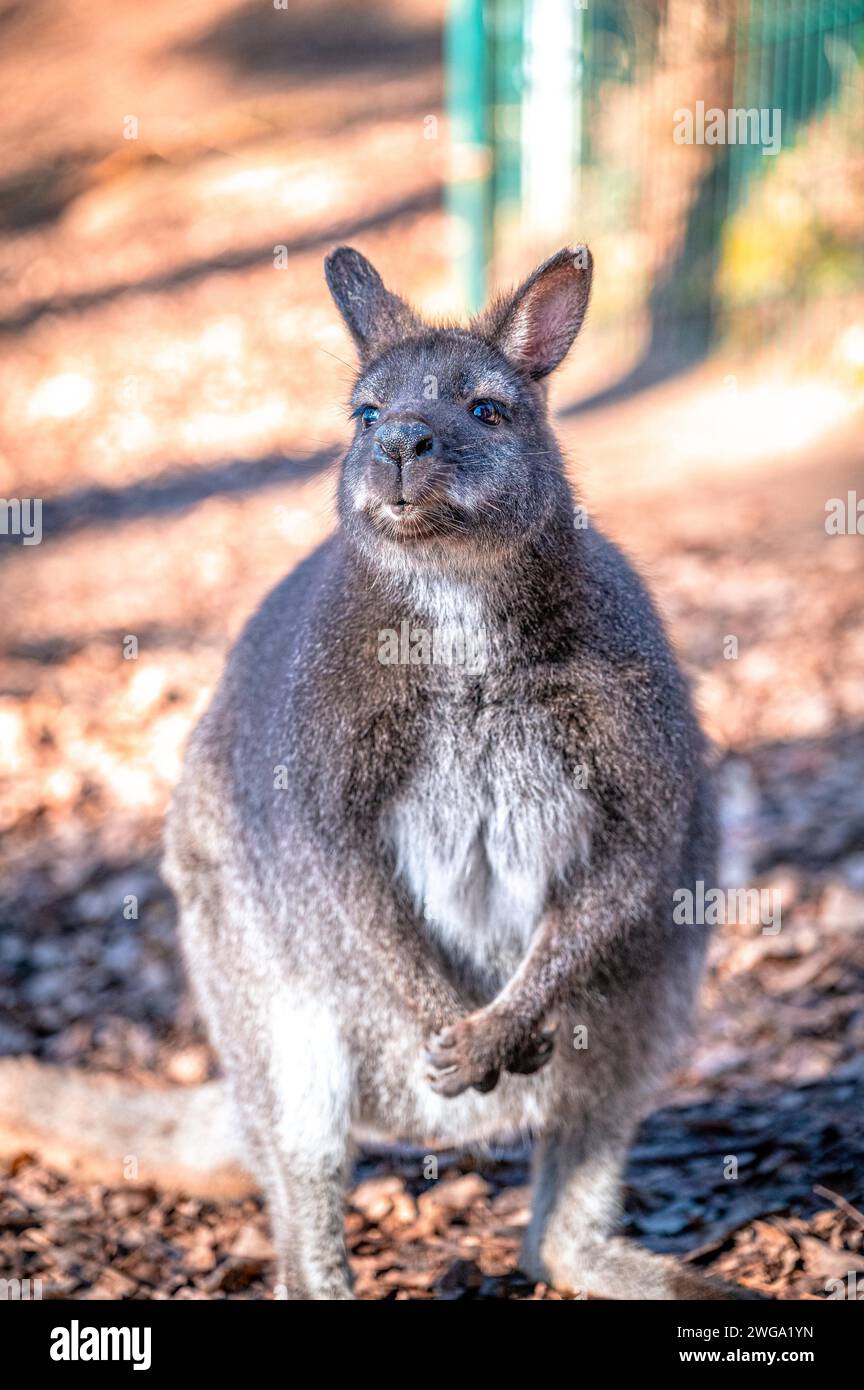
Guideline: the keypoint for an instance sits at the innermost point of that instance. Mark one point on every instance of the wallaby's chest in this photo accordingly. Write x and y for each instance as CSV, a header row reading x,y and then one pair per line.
x,y
486,822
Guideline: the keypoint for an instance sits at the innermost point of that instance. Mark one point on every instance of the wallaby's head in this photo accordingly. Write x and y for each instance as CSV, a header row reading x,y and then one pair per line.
x,y
452,456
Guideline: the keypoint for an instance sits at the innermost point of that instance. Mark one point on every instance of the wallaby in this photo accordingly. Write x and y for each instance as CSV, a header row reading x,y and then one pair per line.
x,y
433,899
428,833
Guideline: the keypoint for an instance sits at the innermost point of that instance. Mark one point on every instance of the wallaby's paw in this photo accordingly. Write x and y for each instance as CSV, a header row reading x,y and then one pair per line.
x,y
474,1050
533,1053
463,1054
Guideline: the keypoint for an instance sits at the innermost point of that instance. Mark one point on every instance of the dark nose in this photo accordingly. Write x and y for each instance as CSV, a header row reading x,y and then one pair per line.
x,y
404,440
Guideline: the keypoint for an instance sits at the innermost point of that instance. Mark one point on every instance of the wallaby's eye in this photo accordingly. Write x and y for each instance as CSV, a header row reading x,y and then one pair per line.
x,y
368,414
487,411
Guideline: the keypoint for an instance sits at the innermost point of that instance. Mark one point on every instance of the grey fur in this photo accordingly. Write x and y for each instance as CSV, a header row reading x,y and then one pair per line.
x,y
397,881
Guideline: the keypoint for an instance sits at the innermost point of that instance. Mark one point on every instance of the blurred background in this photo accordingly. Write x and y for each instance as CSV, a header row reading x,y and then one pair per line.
x,y
175,381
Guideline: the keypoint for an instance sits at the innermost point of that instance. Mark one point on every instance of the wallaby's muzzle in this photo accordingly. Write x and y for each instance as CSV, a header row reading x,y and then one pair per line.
x,y
401,468
403,439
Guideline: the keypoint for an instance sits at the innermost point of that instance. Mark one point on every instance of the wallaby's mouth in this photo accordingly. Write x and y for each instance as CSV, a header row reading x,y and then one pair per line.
x,y
398,510
411,522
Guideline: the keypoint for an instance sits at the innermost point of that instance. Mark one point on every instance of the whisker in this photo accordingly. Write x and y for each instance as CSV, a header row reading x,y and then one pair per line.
x,y
336,358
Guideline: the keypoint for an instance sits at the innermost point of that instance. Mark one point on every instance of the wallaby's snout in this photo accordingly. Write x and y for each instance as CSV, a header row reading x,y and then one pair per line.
x,y
402,464
402,451
402,440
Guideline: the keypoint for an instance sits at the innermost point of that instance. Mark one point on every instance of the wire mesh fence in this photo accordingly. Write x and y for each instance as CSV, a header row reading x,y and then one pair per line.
x,y
712,149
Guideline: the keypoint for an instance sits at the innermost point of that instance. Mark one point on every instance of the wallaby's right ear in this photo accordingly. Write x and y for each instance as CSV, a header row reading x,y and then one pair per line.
x,y
373,315
536,327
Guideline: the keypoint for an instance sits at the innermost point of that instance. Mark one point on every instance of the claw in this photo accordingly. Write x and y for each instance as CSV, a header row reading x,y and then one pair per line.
x,y
437,1060
442,1071
445,1085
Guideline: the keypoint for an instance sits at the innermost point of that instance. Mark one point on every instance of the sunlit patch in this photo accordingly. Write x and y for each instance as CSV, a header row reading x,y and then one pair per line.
x,y
312,192
294,523
61,786
771,418
852,345
146,688
217,428
247,180
224,338
13,740
135,433
61,397
213,566
176,357
167,742
131,786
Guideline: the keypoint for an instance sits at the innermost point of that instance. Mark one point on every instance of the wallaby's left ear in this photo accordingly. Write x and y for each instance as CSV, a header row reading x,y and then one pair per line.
x,y
536,328
374,316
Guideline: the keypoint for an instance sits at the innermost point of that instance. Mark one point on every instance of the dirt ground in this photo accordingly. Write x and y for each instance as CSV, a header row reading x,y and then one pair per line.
x,y
177,401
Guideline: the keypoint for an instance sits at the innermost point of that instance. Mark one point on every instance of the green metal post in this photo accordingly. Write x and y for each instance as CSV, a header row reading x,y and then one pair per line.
x,y
469,194
507,19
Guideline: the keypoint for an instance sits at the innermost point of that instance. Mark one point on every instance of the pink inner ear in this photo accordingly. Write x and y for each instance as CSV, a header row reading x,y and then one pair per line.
x,y
543,325
551,320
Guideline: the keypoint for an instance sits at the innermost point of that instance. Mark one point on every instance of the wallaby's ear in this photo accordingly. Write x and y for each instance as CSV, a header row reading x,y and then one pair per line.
x,y
536,328
373,315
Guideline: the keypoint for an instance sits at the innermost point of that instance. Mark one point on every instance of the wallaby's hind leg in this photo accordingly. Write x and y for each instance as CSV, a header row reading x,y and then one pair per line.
x,y
577,1193
291,1080
304,1185
308,1224
571,1242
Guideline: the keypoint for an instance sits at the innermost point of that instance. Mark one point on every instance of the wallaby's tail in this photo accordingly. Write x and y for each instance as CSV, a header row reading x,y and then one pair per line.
x,y
619,1269
101,1128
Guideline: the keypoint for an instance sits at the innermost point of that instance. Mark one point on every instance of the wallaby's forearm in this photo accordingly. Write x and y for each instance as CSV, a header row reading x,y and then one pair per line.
x,y
388,939
513,1032
568,943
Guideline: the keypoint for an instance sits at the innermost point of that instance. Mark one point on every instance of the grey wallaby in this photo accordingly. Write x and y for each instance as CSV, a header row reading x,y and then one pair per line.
x,y
428,834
